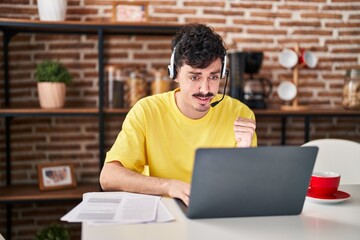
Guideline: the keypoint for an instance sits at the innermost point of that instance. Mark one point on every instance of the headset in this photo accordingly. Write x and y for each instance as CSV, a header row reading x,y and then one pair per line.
x,y
172,68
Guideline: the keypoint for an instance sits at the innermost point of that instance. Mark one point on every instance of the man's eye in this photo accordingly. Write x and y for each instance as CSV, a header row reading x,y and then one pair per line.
x,y
194,78
214,77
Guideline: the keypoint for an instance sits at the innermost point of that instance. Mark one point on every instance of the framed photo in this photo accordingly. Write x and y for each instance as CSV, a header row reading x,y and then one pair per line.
x,y
54,176
125,11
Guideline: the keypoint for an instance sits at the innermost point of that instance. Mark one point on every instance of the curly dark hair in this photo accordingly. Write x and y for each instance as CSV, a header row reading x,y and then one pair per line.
x,y
197,45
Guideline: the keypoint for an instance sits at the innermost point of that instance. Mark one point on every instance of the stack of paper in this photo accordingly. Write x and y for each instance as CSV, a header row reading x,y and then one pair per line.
x,y
119,207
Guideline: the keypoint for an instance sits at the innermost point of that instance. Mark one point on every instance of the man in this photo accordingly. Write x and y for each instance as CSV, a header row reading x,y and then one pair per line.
x,y
164,130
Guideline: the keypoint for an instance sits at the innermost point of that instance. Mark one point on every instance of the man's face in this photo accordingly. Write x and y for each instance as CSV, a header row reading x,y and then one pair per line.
x,y
197,88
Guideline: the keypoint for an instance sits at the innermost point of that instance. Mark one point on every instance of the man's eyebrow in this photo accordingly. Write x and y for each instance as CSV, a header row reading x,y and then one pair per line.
x,y
199,73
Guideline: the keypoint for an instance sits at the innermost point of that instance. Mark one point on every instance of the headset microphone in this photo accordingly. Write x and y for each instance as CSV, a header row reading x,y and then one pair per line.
x,y
217,102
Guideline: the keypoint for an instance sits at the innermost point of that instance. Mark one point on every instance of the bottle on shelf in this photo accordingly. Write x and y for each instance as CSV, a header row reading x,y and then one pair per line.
x,y
116,82
119,91
110,86
351,90
137,87
161,82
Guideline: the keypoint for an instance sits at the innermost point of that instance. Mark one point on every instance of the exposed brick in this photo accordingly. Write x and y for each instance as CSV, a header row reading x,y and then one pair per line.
x,y
71,46
69,55
22,48
224,12
15,2
343,41
296,7
61,38
342,25
347,50
204,20
348,7
203,4
271,14
267,31
300,24
301,41
253,40
354,17
79,11
253,22
313,32
150,56
17,10
251,6
328,28
174,11
321,15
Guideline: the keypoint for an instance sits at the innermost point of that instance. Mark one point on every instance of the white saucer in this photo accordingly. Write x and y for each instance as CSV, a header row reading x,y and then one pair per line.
x,y
338,197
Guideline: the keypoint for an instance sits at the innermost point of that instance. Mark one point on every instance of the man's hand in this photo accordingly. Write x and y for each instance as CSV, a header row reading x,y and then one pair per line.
x,y
179,189
244,129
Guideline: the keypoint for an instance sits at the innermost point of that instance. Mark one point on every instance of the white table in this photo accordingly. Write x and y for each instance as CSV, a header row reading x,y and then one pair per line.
x,y
317,221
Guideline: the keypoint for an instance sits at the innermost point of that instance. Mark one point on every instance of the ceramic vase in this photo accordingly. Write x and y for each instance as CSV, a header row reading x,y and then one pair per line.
x,y
51,94
52,10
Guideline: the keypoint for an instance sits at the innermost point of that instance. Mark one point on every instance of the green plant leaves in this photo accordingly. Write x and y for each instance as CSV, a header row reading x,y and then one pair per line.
x,y
52,71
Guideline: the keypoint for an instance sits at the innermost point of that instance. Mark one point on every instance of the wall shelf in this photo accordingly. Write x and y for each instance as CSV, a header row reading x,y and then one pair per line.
x,y
10,27
31,193
307,114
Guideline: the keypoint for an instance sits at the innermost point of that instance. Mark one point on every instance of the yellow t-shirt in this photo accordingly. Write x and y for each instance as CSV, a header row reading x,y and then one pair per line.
x,y
157,134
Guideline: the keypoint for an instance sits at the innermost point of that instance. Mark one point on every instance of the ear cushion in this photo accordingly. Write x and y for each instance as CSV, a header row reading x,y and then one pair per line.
x,y
223,68
171,67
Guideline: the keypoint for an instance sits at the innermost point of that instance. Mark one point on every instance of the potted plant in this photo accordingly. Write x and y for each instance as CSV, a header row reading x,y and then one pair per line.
x,y
53,232
52,78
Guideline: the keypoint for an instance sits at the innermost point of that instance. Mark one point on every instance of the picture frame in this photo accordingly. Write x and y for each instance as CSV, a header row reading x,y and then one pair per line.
x,y
126,11
54,176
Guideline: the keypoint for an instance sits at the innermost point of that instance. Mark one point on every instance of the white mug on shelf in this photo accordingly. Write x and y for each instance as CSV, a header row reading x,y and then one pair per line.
x,y
307,59
287,90
288,58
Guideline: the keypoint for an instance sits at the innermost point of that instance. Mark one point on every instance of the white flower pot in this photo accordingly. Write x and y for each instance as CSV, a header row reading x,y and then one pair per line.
x,y
52,10
51,94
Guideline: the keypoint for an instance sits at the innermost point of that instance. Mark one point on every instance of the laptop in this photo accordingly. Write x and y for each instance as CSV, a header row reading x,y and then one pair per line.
x,y
244,182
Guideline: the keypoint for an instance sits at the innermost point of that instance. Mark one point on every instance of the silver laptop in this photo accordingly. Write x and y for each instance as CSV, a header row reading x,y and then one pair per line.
x,y
242,182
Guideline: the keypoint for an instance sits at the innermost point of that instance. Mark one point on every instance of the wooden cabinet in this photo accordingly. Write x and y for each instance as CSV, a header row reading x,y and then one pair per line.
x,y
11,193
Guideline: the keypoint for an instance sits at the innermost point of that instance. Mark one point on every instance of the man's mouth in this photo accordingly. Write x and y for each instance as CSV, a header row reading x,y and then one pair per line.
x,y
203,99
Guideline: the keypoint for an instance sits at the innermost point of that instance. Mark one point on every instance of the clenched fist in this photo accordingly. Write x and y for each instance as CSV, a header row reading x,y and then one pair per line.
x,y
244,129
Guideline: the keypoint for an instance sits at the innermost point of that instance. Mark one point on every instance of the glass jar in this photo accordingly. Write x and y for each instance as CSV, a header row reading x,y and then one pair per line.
x,y
137,87
161,82
118,90
351,90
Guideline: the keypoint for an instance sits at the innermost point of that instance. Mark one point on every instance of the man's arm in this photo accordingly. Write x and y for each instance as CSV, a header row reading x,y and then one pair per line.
x,y
244,129
115,177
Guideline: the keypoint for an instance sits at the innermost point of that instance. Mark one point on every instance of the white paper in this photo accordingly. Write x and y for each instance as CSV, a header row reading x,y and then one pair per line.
x,y
118,207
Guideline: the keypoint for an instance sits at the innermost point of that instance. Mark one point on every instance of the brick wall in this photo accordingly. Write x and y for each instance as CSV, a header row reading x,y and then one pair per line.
x,y
330,28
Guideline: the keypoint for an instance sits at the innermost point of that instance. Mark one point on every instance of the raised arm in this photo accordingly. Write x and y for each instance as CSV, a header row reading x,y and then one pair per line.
x,y
244,129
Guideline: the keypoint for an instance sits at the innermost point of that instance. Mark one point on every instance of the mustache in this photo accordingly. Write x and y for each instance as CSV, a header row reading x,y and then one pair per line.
x,y
203,95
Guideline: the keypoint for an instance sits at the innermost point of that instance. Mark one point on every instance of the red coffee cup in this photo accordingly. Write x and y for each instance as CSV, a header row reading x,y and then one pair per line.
x,y
324,183
307,59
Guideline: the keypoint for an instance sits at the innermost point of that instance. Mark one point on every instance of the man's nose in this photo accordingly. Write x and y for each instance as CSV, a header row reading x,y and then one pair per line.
x,y
204,86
